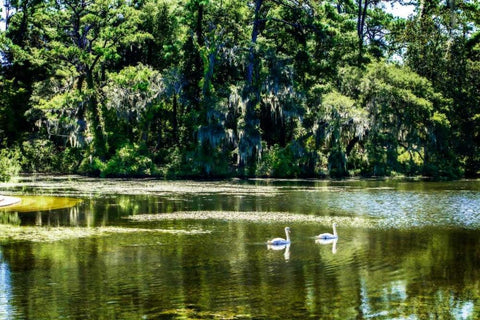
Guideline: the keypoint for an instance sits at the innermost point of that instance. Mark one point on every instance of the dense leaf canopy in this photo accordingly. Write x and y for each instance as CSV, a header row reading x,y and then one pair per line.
x,y
219,88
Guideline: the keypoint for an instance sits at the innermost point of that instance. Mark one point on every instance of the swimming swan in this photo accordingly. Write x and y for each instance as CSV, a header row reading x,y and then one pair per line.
x,y
281,241
327,236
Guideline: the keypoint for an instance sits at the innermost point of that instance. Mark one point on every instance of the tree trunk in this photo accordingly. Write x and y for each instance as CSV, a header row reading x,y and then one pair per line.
x,y
175,116
255,32
249,142
99,144
198,27
361,17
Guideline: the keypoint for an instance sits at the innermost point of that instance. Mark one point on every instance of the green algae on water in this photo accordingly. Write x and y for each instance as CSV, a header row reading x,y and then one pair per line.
x,y
254,216
50,234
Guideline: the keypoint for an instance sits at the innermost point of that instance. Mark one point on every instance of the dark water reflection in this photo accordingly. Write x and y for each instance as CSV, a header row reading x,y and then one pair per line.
x,y
419,258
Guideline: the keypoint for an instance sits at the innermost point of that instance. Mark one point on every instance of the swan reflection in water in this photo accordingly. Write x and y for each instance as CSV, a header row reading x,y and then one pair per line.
x,y
278,247
333,242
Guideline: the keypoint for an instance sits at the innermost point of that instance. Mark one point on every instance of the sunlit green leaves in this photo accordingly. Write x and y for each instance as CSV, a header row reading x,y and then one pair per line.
x,y
221,84
133,90
403,109
90,33
9,164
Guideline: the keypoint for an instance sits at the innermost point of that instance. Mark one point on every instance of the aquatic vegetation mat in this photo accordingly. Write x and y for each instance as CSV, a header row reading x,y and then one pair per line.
x,y
386,221
79,186
254,216
87,187
50,234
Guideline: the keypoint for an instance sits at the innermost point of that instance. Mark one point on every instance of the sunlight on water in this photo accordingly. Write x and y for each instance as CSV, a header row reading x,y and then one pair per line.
x,y
41,203
369,204
366,210
133,249
412,209
5,290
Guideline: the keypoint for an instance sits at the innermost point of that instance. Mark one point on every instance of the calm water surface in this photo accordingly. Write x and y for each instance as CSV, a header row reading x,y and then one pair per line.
x,y
406,250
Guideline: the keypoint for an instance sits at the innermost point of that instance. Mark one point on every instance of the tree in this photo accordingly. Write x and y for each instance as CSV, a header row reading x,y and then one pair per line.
x,y
342,124
406,116
249,144
82,38
439,42
18,65
133,96
228,87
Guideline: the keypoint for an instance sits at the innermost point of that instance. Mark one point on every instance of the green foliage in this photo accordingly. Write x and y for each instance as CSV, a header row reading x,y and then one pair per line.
x,y
410,163
42,156
81,39
341,124
174,164
128,161
220,88
12,95
403,110
278,162
92,166
39,156
337,164
69,160
9,163
131,97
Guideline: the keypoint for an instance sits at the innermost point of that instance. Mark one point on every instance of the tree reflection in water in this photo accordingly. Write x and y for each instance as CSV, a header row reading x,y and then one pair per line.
x,y
405,253
5,289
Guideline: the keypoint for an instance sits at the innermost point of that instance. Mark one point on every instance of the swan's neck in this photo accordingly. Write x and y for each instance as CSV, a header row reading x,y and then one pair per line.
x,y
334,230
287,234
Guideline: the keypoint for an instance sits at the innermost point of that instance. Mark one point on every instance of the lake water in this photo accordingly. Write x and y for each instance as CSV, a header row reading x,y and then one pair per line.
x,y
197,250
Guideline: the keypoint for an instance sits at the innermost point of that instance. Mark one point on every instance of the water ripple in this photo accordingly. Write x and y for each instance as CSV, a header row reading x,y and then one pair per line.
x,y
403,209
382,209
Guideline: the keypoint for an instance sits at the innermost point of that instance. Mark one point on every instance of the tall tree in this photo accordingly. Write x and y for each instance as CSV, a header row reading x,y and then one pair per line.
x,y
18,64
438,41
83,37
249,144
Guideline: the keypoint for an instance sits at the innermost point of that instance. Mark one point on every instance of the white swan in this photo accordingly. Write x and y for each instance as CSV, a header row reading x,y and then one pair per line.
x,y
281,241
327,236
